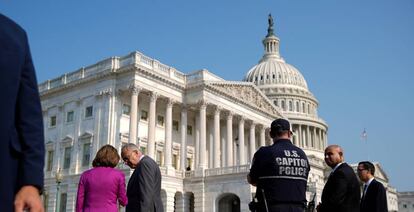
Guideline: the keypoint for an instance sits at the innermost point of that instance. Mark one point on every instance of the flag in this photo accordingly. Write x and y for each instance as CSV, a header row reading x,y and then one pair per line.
x,y
364,135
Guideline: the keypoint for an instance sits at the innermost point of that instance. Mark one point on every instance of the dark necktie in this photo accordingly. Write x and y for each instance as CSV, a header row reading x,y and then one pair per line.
x,y
364,191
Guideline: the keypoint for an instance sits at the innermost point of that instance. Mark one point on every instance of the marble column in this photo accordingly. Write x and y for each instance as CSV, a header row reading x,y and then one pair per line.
x,y
320,139
242,152
133,115
314,138
300,136
308,137
183,149
203,130
252,140
197,141
229,155
168,134
262,136
216,151
152,124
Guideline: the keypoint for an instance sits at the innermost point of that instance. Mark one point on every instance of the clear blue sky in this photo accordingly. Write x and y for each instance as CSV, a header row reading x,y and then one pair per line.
x,y
357,56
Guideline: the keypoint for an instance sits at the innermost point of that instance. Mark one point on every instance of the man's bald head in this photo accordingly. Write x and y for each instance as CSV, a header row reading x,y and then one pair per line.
x,y
334,155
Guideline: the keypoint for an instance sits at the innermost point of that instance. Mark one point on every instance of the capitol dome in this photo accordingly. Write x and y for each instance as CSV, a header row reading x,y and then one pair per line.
x,y
272,70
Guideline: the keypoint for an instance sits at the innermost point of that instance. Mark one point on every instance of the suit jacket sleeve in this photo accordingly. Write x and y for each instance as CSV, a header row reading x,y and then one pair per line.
x,y
123,200
29,124
81,194
146,187
381,199
338,195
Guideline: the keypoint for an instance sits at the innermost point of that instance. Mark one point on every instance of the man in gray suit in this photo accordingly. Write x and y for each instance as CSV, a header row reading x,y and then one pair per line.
x,y
144,186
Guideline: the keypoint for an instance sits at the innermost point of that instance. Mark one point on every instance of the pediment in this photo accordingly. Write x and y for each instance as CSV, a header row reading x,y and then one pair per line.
x,y
67,140
86,135
380,173
248,94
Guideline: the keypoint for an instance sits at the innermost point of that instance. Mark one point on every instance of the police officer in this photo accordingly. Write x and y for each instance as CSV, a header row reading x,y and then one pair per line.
x,y
280,172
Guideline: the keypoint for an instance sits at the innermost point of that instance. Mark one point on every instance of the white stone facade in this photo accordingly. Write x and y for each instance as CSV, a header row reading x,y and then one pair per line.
x,y
197,121
406,201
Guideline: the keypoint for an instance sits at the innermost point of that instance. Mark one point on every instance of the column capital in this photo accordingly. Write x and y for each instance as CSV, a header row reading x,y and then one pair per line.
x,y
242,119
217,109
134,89
229,114
252,124
153,96
202,103
170,102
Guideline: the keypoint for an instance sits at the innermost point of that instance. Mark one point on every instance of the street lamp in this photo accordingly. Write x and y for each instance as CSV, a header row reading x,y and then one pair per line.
x,y
59,178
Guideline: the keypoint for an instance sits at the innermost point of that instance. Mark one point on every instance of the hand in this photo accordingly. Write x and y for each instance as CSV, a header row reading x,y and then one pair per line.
x,y
28,198
318,207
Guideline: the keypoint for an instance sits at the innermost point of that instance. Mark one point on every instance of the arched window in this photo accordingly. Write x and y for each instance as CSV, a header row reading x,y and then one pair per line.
x,y
290,106
275,102
283,105
297,106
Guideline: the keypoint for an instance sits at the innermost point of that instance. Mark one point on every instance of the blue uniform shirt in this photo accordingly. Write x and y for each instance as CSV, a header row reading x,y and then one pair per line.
x,y
281,170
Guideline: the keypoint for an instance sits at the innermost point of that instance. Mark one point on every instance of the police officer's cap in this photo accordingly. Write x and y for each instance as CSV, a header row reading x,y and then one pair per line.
x,y
279,125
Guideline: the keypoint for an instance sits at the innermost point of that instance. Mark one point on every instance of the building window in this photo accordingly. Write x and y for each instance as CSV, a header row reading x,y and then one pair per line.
x,y
126,109
49,164
261,77
290,106
308,109
63,200
86,157
188,161
88,111
160,120
189,130
174,161
66,157
283,105
275,102
144,115
297,106
143,150
404,206
52,121
159,158
175,125
303,107
70,116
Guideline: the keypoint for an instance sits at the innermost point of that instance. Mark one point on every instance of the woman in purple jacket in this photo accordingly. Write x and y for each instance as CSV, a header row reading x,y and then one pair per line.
x,y
100,187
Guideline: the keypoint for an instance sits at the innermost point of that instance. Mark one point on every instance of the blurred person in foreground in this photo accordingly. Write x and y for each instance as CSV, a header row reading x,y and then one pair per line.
x,y
102,186
144,186
21,123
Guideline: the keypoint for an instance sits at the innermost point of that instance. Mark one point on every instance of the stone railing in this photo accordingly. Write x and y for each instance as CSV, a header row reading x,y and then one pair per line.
x,y
227,170
112,64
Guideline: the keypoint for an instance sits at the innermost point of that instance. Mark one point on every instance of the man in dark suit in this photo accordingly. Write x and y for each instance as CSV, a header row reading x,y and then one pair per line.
x,y
144,186
21,124
374,198
341,192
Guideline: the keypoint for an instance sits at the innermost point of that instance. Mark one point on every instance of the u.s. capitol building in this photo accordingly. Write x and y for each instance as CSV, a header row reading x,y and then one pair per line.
x,y
201,129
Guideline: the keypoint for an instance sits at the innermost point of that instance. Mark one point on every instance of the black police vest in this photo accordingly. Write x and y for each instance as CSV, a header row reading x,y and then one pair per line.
x,y
282,173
